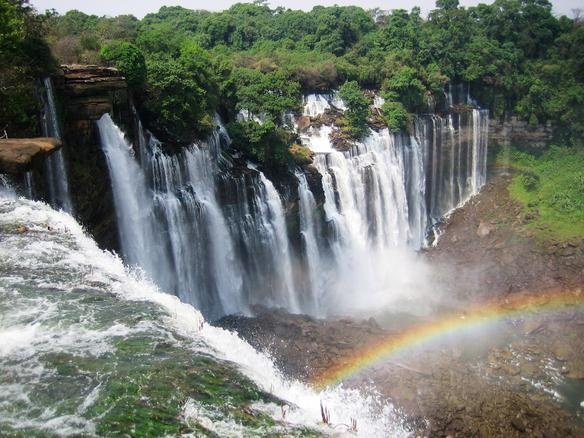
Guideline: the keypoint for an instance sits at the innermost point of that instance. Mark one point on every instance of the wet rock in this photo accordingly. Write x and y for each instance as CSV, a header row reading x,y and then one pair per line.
x,y
518,424
303,122
340,141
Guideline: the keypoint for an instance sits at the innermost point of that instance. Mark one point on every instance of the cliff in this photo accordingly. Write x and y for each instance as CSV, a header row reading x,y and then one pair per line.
x,y
18,155
517,132
84,93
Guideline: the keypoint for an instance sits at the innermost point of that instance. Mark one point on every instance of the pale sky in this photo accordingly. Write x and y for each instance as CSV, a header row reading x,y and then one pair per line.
x,y
142,7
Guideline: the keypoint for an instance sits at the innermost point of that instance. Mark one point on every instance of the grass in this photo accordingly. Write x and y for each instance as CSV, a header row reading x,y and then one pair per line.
x,y
550,187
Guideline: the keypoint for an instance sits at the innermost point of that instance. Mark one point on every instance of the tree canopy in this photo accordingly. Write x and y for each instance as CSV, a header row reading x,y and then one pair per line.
x,y
515,55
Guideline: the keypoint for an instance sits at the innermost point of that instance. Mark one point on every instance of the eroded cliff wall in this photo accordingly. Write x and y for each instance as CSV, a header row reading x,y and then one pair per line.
x,y
84,94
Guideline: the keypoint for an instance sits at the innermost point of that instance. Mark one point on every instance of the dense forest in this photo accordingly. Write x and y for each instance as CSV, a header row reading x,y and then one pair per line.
x,y
185,65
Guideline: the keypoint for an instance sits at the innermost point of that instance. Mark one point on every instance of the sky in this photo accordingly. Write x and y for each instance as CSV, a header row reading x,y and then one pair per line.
x,y
142,7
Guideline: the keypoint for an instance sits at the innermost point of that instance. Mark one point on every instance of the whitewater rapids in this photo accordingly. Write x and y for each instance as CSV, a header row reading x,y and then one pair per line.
x,y
61,296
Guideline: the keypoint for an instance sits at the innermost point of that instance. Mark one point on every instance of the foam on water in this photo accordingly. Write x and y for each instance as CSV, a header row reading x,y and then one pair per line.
x,y
55,245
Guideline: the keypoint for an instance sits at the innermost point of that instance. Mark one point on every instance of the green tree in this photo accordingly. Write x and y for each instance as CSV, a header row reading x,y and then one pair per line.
x,y
406,87
357,109
395,116
26,58
263,142
128,59
269,94
175,103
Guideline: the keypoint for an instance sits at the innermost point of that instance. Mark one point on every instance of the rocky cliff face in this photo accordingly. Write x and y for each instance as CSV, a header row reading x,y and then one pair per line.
x,y
517,132
84,94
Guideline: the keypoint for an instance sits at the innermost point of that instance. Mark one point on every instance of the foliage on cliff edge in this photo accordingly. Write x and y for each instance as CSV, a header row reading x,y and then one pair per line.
x,y
25,57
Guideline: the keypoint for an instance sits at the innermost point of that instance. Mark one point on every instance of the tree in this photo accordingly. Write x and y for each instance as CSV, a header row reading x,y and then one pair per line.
x,y
406,87
395,115
447,4
357,109
269,94
128,59
26,58
263,142
175,104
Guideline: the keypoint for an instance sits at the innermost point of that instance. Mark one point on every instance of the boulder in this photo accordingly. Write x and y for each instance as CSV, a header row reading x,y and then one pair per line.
x,y
17,155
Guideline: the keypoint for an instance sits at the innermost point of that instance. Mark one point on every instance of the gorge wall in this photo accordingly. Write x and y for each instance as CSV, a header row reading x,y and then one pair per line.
x,y
516,132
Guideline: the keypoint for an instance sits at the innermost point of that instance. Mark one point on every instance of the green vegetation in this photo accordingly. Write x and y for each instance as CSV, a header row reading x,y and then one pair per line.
x,y
516,56
357,109
550,186
128,59
25,57
394,115
263,142
301,154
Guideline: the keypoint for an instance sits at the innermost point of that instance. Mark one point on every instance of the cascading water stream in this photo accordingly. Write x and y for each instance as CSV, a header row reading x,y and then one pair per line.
x,y
172,225
382,195
216,233
169,221
55,168
274,223
310,230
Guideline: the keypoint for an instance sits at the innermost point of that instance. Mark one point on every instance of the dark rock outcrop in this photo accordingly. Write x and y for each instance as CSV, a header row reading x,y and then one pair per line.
x,y
517,132
84,93
18,155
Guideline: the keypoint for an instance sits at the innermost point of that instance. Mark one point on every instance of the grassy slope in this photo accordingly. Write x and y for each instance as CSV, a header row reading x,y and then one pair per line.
x,y
551,189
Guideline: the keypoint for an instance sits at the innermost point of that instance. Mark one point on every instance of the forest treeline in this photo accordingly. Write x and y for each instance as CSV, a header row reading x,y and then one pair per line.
x,y
185,65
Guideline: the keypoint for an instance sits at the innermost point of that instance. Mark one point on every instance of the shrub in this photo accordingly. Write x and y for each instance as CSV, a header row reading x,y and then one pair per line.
x,y
565,202
529,181
357,109
263,142
395,116
128,59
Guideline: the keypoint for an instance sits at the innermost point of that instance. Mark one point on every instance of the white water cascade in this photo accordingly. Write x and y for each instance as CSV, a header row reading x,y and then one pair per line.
x,y
310,232
216,232
220,258
55,168
77,326
399,184
169,221
382,195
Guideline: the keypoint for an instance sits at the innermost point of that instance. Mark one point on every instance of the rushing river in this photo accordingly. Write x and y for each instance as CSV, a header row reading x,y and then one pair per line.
x,y
89,348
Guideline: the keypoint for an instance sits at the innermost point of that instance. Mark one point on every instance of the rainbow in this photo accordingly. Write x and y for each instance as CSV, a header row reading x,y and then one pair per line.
x,y
513,306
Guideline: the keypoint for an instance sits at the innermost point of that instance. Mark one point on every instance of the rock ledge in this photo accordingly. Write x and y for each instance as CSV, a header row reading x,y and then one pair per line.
x,y
18,155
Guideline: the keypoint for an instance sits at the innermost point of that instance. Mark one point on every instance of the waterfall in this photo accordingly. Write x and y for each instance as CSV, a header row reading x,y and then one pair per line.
x,y
130,196
480,120
28,185
317,104
215,231
172,225
380,199
456,158
55,168
273,217
169,220
365,190
310,230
